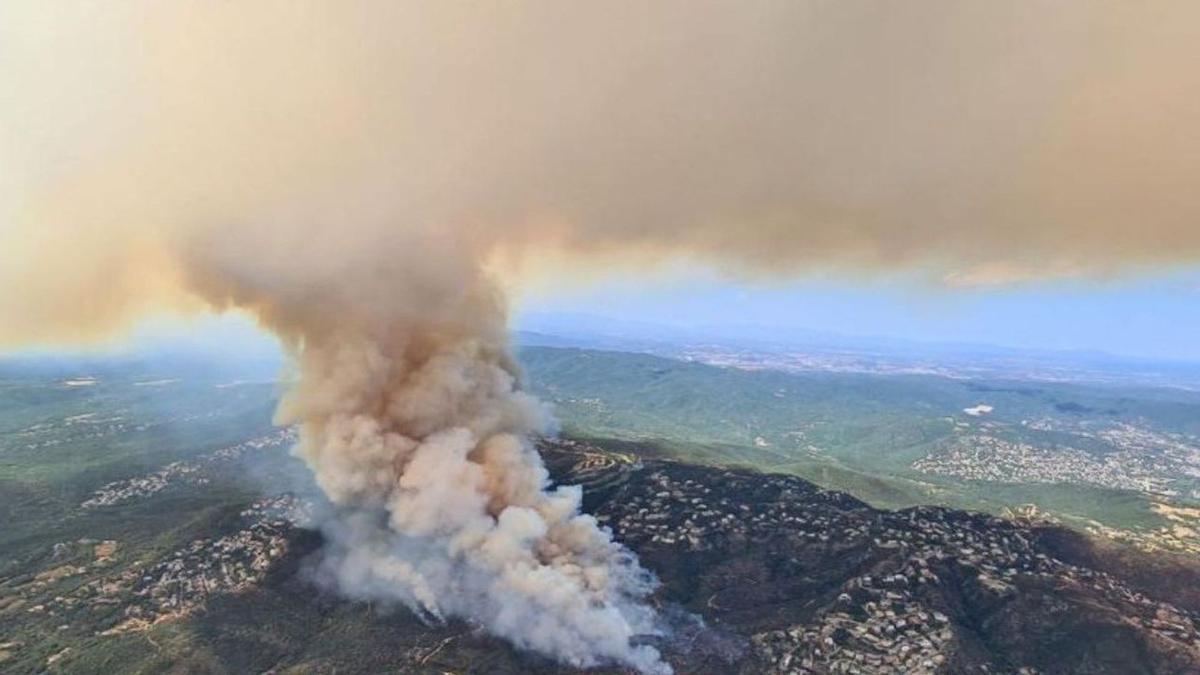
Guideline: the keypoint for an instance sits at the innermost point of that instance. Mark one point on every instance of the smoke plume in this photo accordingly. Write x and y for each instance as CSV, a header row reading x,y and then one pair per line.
x,y
366,176
412,421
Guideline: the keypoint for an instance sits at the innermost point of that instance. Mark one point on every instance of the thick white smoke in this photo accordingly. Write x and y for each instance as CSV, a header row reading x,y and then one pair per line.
x,y
447,506
414,425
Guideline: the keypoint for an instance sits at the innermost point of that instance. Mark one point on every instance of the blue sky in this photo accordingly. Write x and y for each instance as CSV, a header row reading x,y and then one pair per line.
x,y
1146,316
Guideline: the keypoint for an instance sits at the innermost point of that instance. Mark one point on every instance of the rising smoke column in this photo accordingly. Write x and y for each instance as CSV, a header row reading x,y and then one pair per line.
x,y
347,171
413,423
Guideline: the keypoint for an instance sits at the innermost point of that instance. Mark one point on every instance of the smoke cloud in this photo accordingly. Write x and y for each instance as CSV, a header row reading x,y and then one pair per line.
x,y
414,426
366,177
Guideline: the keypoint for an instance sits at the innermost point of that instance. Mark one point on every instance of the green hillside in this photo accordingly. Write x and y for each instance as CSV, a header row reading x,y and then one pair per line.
x,y
861,432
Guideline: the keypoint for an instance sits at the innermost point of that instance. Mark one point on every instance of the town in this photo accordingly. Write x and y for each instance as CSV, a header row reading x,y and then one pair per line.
x,y
813,581
130,596
990,458
890,572
185,579
190,471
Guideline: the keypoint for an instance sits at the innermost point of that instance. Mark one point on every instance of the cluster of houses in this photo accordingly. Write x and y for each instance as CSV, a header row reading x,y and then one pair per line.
x,y
989,458
191,471
886,633
72,429
68,597
185,578
892,614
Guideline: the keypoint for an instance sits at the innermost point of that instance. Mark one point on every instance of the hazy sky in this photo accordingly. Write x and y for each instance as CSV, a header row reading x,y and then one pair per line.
x,y
1144,316
1013,173
1152,317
